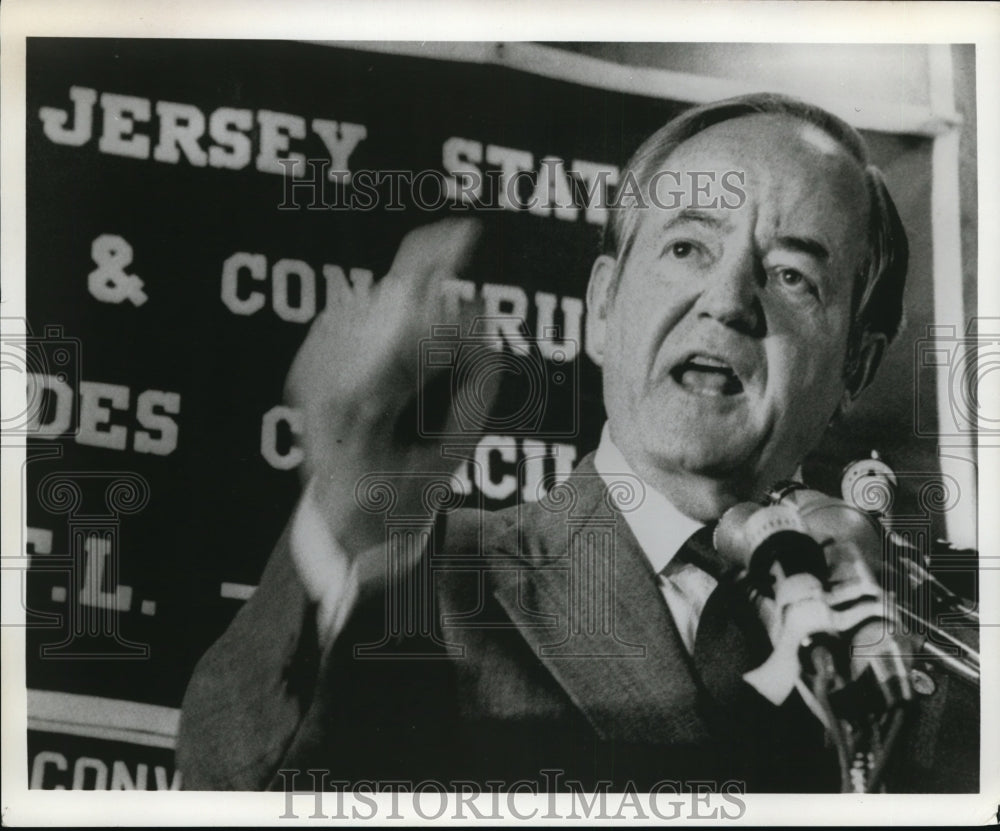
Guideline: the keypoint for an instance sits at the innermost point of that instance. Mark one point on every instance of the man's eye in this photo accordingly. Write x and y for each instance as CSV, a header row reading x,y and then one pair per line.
x,y
794,280
680,250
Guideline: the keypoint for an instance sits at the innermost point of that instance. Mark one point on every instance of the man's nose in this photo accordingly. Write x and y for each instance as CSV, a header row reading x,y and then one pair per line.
x,y
731,294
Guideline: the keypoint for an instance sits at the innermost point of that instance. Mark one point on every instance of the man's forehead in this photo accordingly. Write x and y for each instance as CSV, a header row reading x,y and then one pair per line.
x,y
781,168
764,136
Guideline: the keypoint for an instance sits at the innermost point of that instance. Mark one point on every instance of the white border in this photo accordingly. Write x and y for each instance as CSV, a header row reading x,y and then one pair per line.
x,y
957,462
493,20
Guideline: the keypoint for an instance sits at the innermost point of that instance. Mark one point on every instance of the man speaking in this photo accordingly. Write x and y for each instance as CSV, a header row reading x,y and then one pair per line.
x,y
596,633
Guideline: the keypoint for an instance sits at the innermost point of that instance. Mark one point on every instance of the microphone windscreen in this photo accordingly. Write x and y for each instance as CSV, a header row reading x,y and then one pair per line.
x,y
730,534
756,538
831,521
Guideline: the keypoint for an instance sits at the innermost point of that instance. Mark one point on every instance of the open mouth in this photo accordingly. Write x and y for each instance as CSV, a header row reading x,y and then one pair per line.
x,y
706,375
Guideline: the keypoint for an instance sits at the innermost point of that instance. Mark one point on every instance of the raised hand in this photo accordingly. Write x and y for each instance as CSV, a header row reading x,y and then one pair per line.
x,y
357,377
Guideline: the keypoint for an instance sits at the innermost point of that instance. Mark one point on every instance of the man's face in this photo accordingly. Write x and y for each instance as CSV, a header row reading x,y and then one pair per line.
x,y
723,345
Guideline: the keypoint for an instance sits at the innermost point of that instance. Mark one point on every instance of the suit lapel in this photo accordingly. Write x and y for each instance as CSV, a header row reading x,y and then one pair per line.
x,y
614,647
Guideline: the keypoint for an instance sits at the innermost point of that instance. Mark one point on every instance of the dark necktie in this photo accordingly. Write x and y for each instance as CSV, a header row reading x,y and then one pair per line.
x,y
728,641
699,551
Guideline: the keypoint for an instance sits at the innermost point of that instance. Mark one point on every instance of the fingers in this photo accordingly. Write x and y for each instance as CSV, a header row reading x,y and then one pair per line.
x,y
422,275
419,290
439,250
361,363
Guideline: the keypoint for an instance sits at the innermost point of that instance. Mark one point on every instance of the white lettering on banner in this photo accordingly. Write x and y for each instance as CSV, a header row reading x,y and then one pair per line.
x,y
305,278
181,125
242,270
282,455
497,465
501,462
54,120
232,148
341,139
151,409
292,289
81,780
505,448
461,158
99,588
180,133
49,771
555,189
121,777
507,309
92,593
596,180
118,136
38,765
237,301
225,138
276,132
512,164
553,192
568,345
39,541
58,391
98,404
108,282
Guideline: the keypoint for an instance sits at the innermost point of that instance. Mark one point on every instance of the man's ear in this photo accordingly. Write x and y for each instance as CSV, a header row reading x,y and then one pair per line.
x,y
600,292
870,354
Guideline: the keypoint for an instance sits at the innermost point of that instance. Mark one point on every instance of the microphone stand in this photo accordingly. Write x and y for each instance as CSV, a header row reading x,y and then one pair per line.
x,y
863,738
847,708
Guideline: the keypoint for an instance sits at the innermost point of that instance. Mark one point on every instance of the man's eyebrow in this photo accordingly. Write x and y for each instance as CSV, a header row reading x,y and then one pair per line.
x,y
693,215
805,245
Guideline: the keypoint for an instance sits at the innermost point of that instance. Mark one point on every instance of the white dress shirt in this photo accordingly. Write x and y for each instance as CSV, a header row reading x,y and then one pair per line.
x,y
661,531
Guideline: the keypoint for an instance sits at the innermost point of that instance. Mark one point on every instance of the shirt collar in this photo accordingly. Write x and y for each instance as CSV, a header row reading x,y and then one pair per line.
x,y
658,526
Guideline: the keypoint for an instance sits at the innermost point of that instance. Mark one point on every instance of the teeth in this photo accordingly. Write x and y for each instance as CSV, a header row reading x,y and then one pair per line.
x,y
704,360
708,376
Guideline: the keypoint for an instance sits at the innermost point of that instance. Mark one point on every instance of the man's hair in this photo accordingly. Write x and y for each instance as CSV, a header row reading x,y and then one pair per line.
x,y
878,292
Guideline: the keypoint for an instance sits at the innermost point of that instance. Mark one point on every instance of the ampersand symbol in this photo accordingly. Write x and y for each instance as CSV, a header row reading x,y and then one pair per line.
x,y
108,282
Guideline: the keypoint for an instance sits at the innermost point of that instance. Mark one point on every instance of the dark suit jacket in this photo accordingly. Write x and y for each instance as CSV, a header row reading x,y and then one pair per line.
x,y
531,639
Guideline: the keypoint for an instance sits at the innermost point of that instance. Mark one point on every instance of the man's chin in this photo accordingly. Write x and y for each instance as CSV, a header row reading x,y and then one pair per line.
x,y
703,485
712,457
675,440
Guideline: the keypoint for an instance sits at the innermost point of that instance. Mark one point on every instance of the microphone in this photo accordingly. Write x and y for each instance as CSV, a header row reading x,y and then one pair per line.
x,y
770,543
870,485
784,565
954,654
853,545
850,536
903,564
